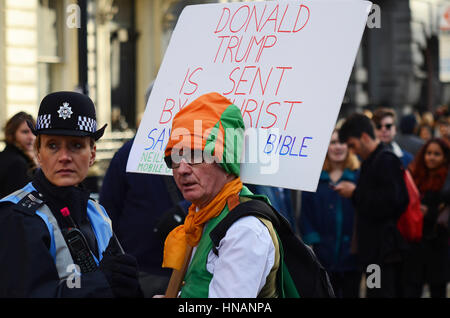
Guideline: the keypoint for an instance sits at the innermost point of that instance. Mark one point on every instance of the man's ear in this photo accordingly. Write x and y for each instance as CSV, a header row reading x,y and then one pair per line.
x,y
365,137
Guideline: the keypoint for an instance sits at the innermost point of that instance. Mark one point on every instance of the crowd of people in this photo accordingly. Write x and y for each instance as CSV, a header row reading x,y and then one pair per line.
x,y
349,222
377,197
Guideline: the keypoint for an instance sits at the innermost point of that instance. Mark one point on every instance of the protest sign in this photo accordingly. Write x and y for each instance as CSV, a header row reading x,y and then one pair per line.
x,y
285,64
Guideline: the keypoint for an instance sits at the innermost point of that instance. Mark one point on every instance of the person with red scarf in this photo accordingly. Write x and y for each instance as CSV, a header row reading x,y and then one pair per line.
x,y
427,261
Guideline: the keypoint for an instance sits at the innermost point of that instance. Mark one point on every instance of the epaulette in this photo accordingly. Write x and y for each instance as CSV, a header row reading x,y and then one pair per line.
x,y
30,203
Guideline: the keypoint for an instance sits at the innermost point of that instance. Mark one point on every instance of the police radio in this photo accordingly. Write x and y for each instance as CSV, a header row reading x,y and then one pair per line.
x,y
78,246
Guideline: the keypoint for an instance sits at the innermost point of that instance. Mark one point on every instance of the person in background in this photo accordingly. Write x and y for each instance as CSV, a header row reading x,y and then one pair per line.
x,y
326,220
443,126
407,139
385,130
379,199
426,126
17,161
425,132
427,262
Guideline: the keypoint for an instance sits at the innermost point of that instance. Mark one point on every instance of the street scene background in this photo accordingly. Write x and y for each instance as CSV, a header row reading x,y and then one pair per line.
x,y
112,51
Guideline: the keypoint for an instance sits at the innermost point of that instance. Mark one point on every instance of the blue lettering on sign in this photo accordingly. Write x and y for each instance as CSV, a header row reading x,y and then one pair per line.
x,y
149,136
290,152
286,145
279,143
161,139
303,146
269,142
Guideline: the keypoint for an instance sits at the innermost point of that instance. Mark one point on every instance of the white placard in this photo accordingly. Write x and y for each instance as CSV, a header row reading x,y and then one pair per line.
x,y
285,64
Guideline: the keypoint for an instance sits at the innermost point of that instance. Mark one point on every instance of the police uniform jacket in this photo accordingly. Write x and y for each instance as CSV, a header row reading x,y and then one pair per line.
x,y
27,267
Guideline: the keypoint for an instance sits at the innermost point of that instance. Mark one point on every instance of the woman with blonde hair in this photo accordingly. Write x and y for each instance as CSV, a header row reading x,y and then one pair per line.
x,y
326,220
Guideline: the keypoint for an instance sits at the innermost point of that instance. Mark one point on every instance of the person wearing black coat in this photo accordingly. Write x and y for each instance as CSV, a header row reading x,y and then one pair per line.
x,y
379,198
16,163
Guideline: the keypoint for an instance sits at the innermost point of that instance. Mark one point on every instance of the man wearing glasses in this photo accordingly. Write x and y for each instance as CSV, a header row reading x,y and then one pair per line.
x,y
206,169
385,130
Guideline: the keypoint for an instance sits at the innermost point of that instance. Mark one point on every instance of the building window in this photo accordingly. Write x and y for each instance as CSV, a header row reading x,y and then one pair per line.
x,y
50,19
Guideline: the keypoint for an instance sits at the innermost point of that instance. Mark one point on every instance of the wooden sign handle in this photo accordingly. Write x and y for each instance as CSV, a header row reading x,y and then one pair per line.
x,y
178,275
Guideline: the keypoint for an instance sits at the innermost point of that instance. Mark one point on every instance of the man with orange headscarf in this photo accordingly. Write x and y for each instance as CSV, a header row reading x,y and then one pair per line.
x,y
204,152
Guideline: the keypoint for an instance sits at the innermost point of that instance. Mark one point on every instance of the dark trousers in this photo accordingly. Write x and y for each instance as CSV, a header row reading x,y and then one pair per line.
x,y
346,284
152,285
390,282
414,290
426,263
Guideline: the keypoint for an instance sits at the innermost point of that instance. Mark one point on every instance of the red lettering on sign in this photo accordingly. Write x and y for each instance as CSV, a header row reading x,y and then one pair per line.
x,y
257,24
281,22
275,10
189,79
281,76
218,50
298,15
290,110
250,111
265,45
245,22
231,79
263,89
224,10
270,113
242,80
167,109
193,83
244,16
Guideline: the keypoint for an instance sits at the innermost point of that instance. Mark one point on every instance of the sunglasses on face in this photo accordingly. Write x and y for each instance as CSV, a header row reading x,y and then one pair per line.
x,y
192,158
387,126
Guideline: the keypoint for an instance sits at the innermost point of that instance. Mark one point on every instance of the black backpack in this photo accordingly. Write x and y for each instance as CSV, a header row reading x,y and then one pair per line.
x,y
300,273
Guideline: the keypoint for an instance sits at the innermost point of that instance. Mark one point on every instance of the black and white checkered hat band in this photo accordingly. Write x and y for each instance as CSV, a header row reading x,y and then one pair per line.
x,y
43,122
87,124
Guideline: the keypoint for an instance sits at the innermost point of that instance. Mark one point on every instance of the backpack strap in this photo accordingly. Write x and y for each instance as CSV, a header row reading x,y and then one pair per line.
x,y
293,252
254,207
265,214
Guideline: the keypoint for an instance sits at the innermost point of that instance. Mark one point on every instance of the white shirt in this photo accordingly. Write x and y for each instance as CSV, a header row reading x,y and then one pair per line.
x,y
246,256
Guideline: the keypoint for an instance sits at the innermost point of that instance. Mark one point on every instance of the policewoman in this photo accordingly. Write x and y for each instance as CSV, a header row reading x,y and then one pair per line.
x,y
54,240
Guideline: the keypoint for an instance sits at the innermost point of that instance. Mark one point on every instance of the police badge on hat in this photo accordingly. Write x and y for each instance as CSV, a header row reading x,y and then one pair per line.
x,y
65,111
67,114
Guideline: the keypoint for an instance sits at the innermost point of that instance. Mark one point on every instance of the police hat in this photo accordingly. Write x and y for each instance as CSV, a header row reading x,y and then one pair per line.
x,y
67,114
